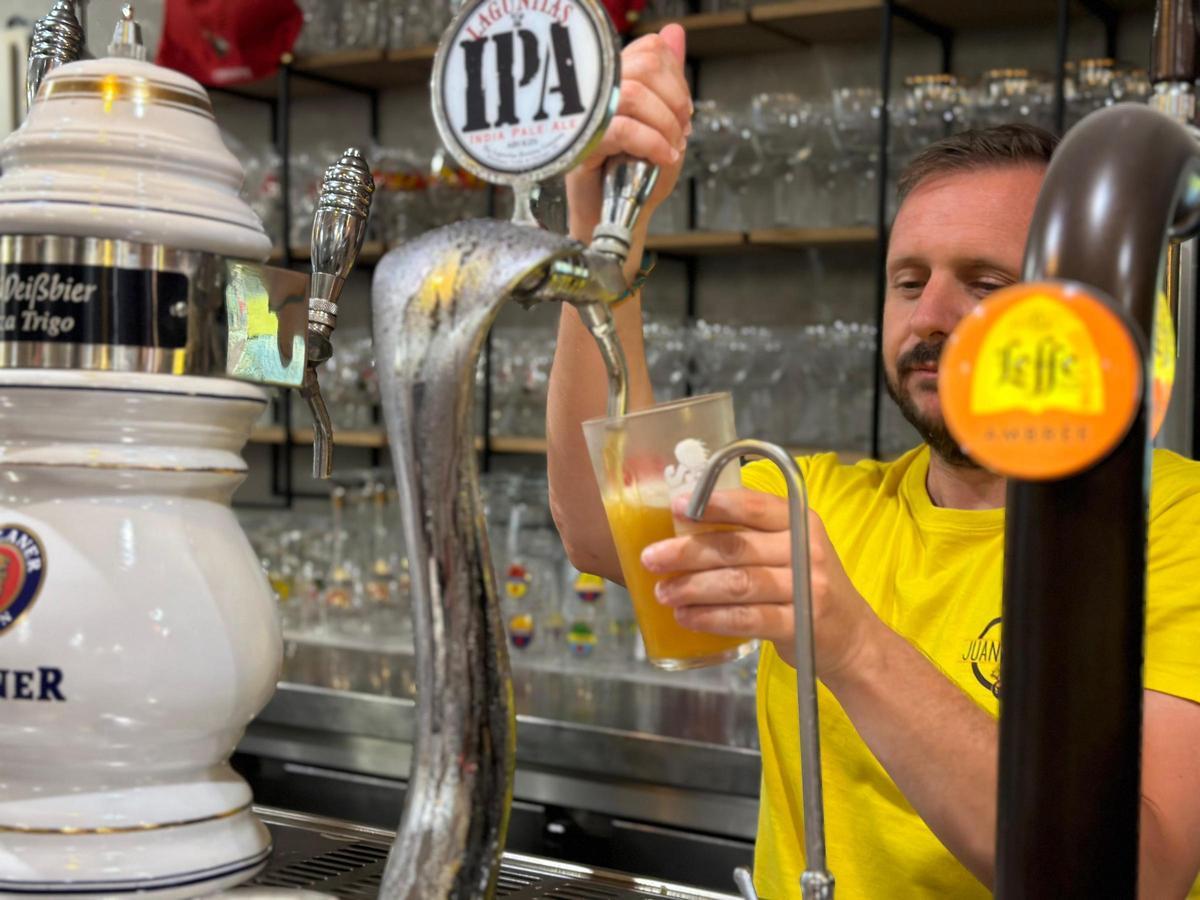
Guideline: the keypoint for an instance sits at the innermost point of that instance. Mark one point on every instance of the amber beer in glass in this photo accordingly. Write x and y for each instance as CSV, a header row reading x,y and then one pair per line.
x,y
642,461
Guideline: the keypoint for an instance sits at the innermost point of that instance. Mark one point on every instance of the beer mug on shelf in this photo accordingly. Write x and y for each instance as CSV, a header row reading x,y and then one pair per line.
x,y
642,462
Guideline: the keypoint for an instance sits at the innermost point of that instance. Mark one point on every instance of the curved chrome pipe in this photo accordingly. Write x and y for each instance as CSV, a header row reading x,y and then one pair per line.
x,y
434,299
816,883
1122,182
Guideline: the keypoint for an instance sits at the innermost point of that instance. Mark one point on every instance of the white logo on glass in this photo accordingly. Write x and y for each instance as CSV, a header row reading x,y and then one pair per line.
x,y
520,81
691,459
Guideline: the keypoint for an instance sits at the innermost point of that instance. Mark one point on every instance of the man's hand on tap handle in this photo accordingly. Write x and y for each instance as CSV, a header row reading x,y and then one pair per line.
x,y
653,121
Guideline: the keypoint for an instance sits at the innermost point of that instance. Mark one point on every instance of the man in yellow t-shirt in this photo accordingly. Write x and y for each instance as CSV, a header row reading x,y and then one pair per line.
x,y
907,556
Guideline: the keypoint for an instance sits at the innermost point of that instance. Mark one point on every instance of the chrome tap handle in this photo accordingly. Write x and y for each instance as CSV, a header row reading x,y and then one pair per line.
x,y
628,183
816,883
57,39
339,226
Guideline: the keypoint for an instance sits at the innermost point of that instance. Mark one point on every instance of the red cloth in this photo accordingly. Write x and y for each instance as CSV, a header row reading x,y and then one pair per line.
x,y
225,42
625,13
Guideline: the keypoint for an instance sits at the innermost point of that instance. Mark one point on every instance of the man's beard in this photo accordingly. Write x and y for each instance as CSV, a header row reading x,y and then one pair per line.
x,y
933,431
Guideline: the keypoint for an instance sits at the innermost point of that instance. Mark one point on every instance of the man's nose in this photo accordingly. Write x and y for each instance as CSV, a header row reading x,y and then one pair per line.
x,y
942,304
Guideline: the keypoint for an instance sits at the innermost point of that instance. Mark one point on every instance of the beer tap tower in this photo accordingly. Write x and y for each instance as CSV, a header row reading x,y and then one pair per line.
x,y
1121,194
138,326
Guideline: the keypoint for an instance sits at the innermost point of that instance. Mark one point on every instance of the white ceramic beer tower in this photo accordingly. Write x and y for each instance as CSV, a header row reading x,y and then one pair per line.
x,y
138,635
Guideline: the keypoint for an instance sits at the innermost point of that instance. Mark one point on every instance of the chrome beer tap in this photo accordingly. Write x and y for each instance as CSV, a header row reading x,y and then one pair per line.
x,y
339,227
816,883
434,299
591,280
58,38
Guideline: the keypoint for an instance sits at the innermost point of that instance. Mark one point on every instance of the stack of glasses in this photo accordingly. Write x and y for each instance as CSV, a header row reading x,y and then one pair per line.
x,y
791,161
341,577
804,386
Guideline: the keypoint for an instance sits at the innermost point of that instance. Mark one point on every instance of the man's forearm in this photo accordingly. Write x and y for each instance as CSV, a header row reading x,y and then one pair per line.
x,y
942,751
938,746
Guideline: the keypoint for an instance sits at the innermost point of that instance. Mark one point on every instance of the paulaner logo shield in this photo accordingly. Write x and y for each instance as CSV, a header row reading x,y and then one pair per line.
x,y
22,569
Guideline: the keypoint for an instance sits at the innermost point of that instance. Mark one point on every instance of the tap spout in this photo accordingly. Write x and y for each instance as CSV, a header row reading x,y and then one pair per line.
x,y
434,299
815,883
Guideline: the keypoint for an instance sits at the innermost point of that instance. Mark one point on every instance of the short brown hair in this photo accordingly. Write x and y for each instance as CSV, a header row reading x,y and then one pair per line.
x,y
1000,145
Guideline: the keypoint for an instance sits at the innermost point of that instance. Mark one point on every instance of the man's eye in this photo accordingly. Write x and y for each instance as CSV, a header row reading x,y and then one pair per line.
x,y
987,287
910,285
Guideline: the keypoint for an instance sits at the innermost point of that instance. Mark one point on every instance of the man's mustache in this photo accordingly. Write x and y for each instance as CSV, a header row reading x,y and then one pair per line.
x,y
920,356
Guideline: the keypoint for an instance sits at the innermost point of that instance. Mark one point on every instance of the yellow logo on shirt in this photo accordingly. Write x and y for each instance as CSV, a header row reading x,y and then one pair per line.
x,y
983,653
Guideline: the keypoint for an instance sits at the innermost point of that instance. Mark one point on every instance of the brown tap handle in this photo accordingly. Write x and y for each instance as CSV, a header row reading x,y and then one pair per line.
x,y
339,226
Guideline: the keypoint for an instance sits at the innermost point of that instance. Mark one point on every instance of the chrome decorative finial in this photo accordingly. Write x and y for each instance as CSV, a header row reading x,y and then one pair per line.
x,y
57,39
127,36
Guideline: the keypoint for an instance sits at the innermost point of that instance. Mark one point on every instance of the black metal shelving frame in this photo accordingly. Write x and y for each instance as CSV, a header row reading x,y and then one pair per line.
x,y
280,105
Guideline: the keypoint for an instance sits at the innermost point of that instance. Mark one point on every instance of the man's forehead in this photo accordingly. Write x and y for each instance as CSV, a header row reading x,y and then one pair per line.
x,y
983,213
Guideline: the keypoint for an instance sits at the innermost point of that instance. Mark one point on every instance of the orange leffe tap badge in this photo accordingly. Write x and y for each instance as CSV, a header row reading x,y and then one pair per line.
x,y
1040,381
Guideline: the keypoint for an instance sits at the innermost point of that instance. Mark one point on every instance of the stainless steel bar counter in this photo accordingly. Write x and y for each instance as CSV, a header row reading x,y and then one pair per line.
x,y
619,767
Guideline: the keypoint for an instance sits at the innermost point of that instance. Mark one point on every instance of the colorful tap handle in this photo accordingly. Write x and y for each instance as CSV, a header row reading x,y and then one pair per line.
x,y
339,226
57,39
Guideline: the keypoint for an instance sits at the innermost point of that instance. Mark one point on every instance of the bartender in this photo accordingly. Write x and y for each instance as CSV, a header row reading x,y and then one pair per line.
x,y
907,556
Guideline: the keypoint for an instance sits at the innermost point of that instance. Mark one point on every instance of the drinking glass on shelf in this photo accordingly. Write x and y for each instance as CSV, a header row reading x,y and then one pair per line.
x,y
671,217
352,393
786,126
454,193
364,24
716,139
306,174
667,353
744,170
321,32
667,9
857,112
416,23
641,461
401,202
1087,87
261,189
1130,85
1014,95
927,111
521,359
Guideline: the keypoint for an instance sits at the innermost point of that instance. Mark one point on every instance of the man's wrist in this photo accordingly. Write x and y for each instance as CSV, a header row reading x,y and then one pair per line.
x,y
866,660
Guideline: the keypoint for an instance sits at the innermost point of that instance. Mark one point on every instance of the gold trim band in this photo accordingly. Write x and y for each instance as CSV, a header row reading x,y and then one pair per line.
x,y
110,88
125,829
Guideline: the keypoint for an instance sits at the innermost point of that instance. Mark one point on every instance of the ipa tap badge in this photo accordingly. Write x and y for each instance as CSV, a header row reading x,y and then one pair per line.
x,y
522,88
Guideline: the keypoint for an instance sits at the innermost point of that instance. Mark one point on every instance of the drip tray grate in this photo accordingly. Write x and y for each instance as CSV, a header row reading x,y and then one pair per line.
x,y
346,860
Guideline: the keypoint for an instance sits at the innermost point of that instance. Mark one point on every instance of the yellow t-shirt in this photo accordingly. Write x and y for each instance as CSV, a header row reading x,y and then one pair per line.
x,y
935,576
